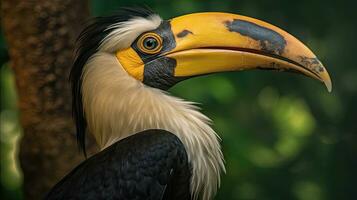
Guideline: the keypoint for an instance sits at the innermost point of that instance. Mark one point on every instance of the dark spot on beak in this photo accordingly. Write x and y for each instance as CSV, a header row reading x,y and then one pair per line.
x,y
270,41
271,66
312,63
183,33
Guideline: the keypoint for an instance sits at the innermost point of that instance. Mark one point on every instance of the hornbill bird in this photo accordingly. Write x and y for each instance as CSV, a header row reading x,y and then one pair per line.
x,y
156,146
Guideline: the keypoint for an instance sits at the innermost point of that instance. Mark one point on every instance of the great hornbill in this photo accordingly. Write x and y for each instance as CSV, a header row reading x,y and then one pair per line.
x,y
156,146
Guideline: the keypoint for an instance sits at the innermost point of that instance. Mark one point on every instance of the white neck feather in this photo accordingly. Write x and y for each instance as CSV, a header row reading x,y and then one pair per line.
x,y
116,106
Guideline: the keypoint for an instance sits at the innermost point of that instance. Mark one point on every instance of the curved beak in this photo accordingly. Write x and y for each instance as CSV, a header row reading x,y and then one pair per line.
x,y
217,42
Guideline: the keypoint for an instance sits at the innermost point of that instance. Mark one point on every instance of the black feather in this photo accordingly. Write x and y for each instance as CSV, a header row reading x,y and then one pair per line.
x,y
87,44
152,164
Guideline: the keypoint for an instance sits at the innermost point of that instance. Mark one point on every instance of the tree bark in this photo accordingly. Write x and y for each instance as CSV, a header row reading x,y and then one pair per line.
x,y
41,35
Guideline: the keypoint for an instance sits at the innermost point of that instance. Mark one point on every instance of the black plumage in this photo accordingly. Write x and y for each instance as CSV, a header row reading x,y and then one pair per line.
x,y
149,165
88,42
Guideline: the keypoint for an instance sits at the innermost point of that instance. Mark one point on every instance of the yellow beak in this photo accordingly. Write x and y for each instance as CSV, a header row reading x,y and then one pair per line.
x,y
217,42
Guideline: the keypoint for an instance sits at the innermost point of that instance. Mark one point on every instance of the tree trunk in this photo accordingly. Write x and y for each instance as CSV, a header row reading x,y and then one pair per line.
x,y
41,36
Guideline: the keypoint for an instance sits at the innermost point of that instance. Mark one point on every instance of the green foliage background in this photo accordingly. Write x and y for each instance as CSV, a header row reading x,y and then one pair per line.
x,y
284,136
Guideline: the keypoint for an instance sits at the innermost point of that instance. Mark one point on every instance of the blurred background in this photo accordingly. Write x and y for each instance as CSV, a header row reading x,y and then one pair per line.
x,y
284,136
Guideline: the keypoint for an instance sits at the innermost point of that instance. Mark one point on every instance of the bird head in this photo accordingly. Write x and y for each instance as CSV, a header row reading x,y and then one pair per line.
x,y
160,53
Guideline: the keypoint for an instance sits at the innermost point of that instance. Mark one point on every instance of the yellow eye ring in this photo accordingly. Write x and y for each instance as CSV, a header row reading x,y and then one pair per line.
x,y
150,43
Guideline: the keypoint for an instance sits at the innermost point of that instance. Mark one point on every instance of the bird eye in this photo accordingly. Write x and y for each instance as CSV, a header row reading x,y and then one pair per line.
x,y
150,43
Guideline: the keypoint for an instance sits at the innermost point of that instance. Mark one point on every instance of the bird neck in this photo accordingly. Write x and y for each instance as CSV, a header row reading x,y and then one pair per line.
x,y
117,106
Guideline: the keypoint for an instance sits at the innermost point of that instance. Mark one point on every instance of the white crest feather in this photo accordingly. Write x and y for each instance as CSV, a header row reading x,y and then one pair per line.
x,y
124,33
116,106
